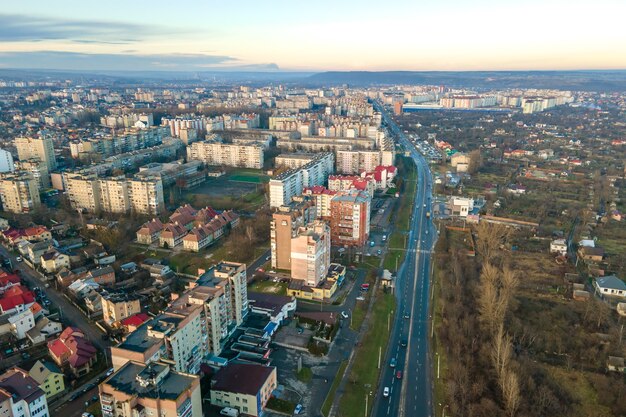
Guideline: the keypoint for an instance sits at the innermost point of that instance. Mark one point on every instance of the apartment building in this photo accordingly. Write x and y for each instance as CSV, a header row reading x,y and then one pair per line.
x,y
287,185
19,192
357,161
173,336
214,152
152,389
350,218
115,195
6,161
38,169
20,395
234,280
310,253
294,160
146,195
40,148
284,226
118,306
215,315
322,198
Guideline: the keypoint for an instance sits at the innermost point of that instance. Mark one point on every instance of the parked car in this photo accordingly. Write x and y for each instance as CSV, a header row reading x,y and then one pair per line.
x,y
18,259
360,298
110,372
298,409
344,315
386,392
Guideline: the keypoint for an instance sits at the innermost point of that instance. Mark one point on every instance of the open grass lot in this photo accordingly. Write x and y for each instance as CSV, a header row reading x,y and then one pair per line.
x,y
612,237
364,374
269,287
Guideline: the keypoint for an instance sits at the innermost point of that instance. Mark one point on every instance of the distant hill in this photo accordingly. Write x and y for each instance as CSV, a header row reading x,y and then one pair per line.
x,y
609,80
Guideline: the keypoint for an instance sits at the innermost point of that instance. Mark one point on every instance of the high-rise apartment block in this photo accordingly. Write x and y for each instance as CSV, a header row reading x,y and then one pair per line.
x,y
350,218
6,161
310,253
37,148
19,192
355,162
284,227
289,184
38,169
214,152
115,194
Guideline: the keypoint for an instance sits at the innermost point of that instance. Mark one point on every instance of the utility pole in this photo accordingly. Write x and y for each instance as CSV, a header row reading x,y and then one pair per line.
x,y
380,352
365,405
438,358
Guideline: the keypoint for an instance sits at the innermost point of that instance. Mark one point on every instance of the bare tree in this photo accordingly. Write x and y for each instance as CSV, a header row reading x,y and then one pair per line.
x,y
489,238
511,392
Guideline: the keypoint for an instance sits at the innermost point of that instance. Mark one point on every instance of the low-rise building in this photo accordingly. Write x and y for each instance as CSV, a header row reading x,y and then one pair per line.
x,y
610,286
559,246
20,395
153,389
73,350
246,387
49,377
118,306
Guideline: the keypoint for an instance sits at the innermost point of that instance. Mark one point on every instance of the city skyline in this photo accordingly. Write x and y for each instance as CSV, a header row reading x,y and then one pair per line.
x,y
452,35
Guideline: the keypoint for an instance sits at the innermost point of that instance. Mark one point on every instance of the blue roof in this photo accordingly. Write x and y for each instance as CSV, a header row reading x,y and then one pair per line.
x,y
271,326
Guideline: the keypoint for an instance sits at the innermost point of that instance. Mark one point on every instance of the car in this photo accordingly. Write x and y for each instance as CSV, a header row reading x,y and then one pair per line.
x,y
399,375
392,363
272,272
300,330
75,395
18,259
424,205
110,372
344,315
360,298
386,392
407,315
426,231
86,414
298,409
403,342
268,258
260,270
95,398
379,252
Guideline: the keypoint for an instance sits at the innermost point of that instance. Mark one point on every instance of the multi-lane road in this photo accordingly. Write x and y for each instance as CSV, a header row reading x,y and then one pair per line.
x,y
409,381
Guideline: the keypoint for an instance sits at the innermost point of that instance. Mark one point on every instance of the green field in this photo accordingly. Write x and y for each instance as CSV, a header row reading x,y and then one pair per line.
x,y
247,178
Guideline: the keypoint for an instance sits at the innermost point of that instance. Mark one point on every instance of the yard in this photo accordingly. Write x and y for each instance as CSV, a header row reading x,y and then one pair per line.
x,y
269,287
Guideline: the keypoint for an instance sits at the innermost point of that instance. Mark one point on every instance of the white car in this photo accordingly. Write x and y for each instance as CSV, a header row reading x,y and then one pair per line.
x,y
386,392
360,298
19,259
344,315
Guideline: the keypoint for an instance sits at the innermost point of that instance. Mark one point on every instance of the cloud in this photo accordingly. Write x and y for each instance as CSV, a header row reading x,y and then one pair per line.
x,y
61,60
20,28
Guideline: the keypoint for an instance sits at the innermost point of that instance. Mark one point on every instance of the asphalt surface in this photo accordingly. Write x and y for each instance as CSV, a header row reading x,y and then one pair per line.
x,y
410,394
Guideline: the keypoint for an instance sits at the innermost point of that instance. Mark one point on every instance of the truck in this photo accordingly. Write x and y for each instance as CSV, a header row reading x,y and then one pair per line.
x,y
230,412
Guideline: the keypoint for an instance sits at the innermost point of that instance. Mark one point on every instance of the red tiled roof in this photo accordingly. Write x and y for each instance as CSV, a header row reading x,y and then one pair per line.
x,y
135,320
72,347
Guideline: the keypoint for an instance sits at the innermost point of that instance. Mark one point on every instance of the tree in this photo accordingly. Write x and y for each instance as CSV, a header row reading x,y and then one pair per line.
x,y
475,161
489,238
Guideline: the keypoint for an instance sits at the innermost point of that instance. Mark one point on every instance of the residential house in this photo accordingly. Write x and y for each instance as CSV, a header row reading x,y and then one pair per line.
x,y
52,261
116,307
15,300
559,246
587,253
49,377
20,395
172,235
73,350
102,276
610,286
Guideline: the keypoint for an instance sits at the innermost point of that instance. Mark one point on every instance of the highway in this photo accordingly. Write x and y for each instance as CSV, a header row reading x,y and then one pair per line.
x,y
410,394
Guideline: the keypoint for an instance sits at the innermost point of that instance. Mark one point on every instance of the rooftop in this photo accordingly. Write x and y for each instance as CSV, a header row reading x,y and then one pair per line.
x,y
242,378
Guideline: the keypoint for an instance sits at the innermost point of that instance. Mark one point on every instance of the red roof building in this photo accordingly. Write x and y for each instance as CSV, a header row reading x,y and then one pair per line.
x,y
72,349
16,299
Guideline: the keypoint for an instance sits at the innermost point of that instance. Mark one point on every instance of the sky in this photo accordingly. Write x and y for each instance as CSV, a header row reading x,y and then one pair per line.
x,y
320,35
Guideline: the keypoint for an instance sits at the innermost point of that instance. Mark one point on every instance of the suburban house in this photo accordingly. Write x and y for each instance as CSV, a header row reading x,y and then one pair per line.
x,y
615,364
558,246
587,253
102,276
73,350
52,261
244,386
610,286
49,377
20,395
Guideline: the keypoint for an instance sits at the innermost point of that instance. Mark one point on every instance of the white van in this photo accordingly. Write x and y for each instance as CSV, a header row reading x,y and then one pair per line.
x,y
230,412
